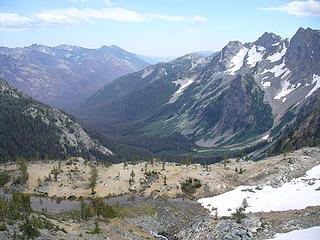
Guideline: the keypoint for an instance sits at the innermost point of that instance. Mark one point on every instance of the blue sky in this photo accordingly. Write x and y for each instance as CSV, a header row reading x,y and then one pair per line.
x,y
151,27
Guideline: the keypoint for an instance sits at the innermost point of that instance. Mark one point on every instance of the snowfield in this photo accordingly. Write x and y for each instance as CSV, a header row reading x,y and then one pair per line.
x,y
316,81
286,88
303,234
278,55
183,85
255,56
237,61
299,193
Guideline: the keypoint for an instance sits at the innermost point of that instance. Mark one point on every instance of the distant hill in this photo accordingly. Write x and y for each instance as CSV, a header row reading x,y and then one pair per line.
x,y
155,60
65,75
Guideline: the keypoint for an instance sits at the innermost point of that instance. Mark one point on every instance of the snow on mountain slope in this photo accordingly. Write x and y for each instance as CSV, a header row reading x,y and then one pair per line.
x,y
255,54
316,83
312,233
299,193
183,84
278,55
237,61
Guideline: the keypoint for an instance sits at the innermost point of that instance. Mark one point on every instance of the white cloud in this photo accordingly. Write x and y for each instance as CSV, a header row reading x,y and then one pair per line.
x,y
78,1
199,19
107,2
299,8
14,22
194,19
167,17
74,15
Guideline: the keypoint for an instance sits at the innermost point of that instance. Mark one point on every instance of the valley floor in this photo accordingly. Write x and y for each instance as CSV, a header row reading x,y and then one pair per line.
x,y
156,199
73,180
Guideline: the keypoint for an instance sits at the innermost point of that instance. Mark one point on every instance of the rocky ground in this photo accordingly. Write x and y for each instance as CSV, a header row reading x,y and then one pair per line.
x,y
253,226
161,212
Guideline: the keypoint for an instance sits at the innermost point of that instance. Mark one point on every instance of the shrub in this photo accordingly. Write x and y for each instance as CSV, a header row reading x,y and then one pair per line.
x,y
239,214
97,229
4,178
240,211
28,230
3,227
190,185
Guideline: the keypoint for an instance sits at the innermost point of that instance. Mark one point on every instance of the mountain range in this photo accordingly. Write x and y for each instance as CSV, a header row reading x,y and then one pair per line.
x,y
65,75
253,97
236,98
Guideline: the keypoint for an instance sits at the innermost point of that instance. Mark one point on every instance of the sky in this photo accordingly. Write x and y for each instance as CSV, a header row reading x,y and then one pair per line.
x,y
164,28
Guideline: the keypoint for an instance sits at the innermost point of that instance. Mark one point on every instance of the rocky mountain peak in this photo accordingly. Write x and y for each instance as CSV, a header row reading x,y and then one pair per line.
x,y
306,37
232,46
189,56
39,48
268,39
114,47
303,53
66,47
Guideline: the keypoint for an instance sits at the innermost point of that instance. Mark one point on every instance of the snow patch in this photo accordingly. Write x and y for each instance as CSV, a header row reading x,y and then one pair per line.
x,y
312,233
266,84
286,88
147,72
278,55
184,83
278,70
237,61
299,193
315,80
196,62
254,56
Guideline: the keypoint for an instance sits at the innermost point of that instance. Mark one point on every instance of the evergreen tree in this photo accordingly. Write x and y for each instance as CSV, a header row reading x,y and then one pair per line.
x,y
132,175
93,179
23,169
163,165
165,180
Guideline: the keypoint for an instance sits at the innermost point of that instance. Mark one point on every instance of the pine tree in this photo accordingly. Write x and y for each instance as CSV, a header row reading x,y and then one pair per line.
x,y
145,168
125,165
93,179
23,169
132,175
163,165
225,161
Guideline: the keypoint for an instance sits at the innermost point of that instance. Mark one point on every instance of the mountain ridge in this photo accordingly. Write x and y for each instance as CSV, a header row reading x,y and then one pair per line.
x,y
65,75
33,130
190,89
